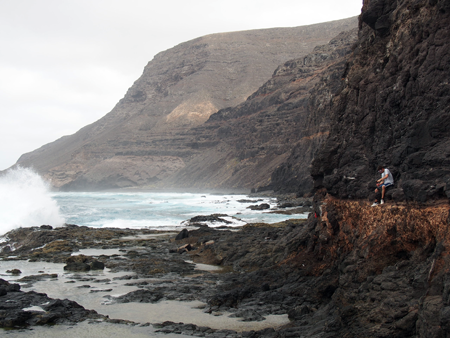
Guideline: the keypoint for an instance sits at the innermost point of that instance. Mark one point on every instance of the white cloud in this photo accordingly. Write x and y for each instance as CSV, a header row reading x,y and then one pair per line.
x,y
66,63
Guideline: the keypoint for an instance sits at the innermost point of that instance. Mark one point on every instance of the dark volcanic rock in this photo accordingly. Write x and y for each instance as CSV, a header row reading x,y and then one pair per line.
x,y
97,265
209,218
393,106
262,206
354,271
182,235
54,311
77,266
139,296
349,270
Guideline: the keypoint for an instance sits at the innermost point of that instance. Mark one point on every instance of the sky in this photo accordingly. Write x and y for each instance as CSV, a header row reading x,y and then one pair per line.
x,y
66,63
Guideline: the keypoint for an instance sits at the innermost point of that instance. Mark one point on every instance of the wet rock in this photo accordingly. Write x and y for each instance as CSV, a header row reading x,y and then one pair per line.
x,y
34,278
286,205
77,267
187,329
249,201
209,218
100,290
82,263
46,227
139,296
182,235
263,206
126,277
8,287
97,265
14,301
14,271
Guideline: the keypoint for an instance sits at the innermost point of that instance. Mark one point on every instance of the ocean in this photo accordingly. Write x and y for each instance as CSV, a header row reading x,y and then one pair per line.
x,y
27,200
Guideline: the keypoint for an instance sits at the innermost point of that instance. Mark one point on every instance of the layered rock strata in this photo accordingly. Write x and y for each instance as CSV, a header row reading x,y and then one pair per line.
x,y
242,146
143,140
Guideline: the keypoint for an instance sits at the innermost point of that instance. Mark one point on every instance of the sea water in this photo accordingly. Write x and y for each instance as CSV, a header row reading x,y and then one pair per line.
x,y
27,200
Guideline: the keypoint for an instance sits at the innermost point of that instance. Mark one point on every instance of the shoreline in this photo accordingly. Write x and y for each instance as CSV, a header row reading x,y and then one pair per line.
x,y
348,270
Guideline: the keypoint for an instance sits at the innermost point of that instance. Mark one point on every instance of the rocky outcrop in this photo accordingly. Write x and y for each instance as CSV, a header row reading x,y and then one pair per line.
x,y
350,271
22,309
393,107
145,139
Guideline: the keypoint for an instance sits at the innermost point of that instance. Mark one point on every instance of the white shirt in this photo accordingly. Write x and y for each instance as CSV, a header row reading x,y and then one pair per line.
x,y
390,178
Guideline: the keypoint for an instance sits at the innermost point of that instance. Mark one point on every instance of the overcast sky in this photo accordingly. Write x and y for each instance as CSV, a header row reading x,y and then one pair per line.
x,y
66,63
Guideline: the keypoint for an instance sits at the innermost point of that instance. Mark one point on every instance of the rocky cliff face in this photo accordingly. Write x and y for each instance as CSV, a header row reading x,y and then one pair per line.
x,y
394,106
144,140
242,146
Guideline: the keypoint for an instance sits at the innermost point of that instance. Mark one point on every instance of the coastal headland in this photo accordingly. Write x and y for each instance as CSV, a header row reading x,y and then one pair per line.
x,y
376,96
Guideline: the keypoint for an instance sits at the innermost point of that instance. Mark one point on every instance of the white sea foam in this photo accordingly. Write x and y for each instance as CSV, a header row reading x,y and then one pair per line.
x,y
25,201
159,210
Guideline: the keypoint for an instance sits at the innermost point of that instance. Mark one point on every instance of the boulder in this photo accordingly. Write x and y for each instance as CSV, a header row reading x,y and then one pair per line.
x,y
263,206
97,265
77,266
46,227
182,235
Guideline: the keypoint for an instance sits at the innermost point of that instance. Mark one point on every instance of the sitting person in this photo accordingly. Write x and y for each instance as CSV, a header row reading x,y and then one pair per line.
x,y
385,181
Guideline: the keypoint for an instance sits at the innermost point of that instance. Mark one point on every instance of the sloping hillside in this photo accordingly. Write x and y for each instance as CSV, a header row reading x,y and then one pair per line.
x,y
142,141
242,146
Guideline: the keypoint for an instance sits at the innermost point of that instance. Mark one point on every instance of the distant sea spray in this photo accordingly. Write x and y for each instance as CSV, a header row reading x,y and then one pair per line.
x,y
25,201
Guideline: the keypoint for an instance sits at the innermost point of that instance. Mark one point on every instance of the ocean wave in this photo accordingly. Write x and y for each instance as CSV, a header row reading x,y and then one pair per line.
x,y
25,201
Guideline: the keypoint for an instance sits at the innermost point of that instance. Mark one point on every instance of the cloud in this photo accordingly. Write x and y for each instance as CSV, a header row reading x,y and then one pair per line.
x,y
65,64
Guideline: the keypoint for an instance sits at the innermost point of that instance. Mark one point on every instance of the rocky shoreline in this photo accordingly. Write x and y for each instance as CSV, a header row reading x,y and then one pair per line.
x,y
349,270
169,259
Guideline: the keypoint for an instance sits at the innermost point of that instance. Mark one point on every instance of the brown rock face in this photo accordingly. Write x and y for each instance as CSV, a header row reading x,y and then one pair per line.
x,y
394,107
142,141
242,146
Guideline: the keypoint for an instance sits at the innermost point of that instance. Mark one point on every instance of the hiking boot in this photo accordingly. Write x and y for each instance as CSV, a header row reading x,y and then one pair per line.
x,y
382,202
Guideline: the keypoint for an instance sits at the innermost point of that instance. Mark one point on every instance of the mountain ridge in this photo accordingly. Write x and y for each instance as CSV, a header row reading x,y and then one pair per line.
x,y
138,142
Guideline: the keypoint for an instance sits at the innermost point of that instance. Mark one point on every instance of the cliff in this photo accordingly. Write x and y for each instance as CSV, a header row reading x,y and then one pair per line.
x,y
394,106
242,146
145,139
353,270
